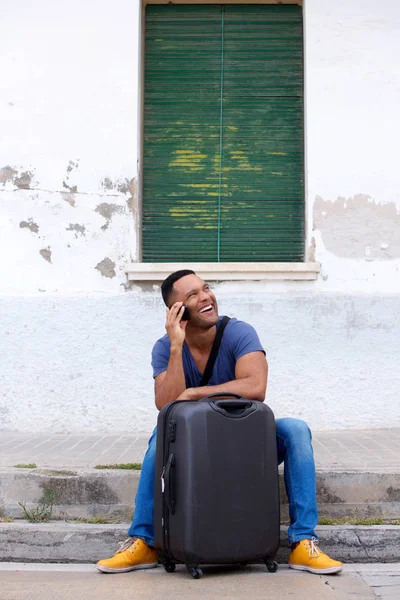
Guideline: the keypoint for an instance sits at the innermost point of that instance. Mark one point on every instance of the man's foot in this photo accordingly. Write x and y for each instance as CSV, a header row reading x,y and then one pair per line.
x,y
306,556
133,554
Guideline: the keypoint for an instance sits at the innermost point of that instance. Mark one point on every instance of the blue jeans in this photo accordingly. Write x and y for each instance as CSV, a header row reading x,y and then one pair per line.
x,y
293,439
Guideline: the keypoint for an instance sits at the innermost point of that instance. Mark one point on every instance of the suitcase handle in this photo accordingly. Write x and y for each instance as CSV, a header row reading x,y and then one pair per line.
x,y
223,395
234,406
235,409
169,480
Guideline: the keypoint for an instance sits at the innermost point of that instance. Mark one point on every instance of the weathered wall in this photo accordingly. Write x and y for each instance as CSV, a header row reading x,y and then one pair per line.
x,y
75,345
73,363
68,154
352,133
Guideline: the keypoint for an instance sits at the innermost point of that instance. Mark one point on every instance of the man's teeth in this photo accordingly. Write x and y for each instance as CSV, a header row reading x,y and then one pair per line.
x,y
206,308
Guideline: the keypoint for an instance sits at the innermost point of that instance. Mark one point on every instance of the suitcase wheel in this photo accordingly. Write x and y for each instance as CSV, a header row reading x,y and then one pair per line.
x,y
169,566
271,565
195,572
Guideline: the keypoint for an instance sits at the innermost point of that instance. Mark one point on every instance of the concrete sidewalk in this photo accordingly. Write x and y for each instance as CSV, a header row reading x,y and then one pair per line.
x,y
78,582
372,450
358,476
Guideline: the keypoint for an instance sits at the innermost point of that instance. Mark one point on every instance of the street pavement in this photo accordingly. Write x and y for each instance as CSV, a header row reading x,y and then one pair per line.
x,y
76,582
340,450
343,450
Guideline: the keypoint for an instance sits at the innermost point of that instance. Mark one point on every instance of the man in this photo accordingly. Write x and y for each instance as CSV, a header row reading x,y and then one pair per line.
x,y
178,360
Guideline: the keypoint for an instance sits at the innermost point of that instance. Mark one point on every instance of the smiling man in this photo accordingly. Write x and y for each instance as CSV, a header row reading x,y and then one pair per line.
x,y
179,359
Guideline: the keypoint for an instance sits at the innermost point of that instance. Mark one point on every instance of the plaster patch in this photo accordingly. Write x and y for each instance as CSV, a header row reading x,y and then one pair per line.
x,y
29,224
72,165
76,228
120,185
7,174
22,180
68,197
46,254
358,227
311,250
106,267
107,184
132,200
107,211
73,189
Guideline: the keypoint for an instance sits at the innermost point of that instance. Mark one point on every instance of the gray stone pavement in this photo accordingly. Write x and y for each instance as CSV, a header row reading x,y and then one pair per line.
x,y
76,582
339,450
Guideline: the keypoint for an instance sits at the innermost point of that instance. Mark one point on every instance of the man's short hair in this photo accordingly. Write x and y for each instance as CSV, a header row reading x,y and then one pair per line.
x,y
168,284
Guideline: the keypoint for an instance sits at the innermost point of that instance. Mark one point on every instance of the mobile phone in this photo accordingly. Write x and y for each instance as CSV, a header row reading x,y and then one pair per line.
x,y
186,314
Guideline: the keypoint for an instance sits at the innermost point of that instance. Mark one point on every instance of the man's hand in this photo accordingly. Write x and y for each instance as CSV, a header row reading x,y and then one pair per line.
x,y
189,394
170,383
175,326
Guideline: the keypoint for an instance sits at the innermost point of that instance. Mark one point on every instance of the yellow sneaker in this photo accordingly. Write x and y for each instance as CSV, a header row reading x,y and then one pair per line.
x,y
308,557
133,554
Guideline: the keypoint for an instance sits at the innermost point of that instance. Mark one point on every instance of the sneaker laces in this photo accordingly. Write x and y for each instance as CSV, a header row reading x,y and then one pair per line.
x,y
313,550
126,544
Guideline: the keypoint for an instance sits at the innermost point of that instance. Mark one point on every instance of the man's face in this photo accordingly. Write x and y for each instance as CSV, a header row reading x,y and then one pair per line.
x,y
198,297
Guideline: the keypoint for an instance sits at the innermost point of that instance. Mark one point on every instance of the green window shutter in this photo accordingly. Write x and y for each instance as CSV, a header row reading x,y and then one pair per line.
x,y
223,78
181,132
262,210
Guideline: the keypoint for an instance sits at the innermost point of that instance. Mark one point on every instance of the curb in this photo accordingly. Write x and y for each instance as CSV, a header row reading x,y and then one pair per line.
x,y
77,543
85,493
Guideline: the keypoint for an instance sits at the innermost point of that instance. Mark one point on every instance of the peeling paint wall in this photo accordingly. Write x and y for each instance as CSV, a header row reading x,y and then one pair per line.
x,y
52,245
359,227
76,342
68,159
352,78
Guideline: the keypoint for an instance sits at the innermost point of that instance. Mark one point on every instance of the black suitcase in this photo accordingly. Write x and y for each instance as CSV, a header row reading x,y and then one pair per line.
x,y
216,495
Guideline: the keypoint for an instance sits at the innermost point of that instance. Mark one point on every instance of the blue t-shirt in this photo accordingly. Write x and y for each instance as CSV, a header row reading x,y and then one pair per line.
x,y
239,338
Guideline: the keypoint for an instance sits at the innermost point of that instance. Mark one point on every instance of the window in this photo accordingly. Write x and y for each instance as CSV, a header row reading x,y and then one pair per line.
x,y
223,151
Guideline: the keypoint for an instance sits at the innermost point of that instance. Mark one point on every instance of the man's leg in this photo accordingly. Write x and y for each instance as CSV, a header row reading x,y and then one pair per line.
x,y
295,450
137,553
142,525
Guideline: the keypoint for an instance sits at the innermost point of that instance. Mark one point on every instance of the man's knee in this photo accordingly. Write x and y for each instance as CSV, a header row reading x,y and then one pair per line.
x,y
295,430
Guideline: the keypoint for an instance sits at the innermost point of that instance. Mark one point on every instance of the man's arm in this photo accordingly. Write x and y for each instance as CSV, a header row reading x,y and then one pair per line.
x,y
251,372
171,383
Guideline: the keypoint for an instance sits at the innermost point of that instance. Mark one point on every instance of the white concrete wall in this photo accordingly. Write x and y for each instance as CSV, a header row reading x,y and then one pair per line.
x,y
68,153
352,76
83,363
75,345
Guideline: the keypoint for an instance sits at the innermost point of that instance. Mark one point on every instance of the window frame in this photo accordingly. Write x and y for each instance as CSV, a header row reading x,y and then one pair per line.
x,y
308,269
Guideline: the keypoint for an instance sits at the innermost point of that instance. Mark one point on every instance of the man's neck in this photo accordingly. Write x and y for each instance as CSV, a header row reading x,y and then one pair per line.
x,y
200,339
